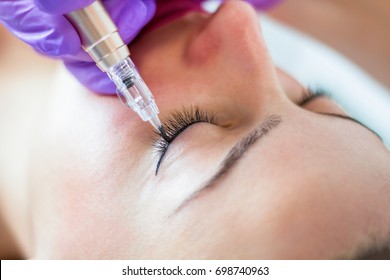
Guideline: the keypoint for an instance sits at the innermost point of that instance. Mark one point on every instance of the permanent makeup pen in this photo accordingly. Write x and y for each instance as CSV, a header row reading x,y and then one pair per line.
x,y
100,39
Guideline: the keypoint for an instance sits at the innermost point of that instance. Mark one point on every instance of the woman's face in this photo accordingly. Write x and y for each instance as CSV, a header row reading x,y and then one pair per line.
x,y
256,175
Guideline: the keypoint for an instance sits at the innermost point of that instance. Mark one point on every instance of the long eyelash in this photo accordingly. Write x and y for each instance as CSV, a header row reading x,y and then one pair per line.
x,y
175,124
309,94
180,120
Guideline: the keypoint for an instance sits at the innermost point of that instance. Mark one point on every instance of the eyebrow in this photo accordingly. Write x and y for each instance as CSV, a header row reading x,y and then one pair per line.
x,y
242,146
236,153
239,149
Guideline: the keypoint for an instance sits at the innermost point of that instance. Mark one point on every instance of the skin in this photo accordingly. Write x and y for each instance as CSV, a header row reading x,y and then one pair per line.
x,y
315,187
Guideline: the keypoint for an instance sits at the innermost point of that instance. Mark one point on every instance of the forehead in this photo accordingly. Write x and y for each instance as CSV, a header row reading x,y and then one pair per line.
x,y
296,201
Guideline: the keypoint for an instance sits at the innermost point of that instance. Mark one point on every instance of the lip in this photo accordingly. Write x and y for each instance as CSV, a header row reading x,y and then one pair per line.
x,y
168,11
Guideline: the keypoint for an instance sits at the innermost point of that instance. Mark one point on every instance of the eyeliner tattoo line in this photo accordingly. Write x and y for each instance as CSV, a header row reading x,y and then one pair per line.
x,y
164,150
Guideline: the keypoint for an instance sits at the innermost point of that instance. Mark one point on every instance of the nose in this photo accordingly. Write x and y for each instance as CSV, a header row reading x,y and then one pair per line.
x,y
234,22
230,50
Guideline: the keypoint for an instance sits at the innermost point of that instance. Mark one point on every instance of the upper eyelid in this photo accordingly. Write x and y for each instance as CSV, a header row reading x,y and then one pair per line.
x,y
179,120
175,124
311,96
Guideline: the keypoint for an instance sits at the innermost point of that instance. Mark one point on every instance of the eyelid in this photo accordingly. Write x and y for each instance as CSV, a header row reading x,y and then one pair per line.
x,y
179,120
175,124
311,95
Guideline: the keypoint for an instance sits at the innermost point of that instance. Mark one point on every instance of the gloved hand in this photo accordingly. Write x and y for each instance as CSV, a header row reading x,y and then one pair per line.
x,y
263,4
260,4
41,24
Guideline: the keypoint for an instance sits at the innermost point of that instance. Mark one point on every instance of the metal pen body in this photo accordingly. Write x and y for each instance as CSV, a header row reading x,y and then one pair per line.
x,y
100,38
99,35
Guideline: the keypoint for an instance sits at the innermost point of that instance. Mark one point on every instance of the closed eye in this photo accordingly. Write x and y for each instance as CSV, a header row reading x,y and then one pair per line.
x,y
309,96
176,124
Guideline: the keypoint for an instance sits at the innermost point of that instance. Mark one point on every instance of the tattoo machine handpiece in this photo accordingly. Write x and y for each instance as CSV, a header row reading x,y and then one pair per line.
x,y
100,39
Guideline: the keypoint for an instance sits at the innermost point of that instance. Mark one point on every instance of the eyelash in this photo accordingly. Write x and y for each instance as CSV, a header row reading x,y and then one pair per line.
x,y
180,120
176,123
310,94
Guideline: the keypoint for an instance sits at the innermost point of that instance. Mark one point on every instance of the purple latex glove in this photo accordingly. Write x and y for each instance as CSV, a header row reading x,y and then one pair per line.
x,y
263,4
259,4
41,24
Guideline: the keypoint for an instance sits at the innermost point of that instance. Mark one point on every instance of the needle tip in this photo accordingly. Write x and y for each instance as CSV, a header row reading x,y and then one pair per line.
x,y
164,134
155,122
